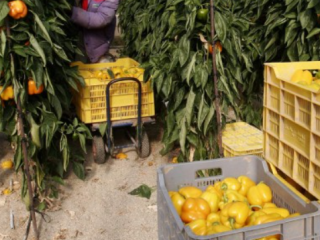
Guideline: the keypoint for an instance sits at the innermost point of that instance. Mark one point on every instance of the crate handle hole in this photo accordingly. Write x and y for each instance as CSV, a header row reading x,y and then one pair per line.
x,y
211,172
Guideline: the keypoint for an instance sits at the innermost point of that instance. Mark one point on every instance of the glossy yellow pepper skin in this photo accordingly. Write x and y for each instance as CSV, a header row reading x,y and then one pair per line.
x,y
213,218
274,237
267,218
193,209
281,211
213,200
246,184
259,194
213,189
269,205
234,215
198,227
230,183
253,216
190,192
231,196
177,201
294,215
217,229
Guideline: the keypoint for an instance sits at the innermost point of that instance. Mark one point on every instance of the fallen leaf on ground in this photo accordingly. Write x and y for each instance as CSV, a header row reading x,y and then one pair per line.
x,y
150,164
142,191
121,156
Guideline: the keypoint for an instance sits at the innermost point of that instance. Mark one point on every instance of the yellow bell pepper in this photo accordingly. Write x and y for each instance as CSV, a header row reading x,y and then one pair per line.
x,y
230,183
274,237
231,196
234,215
193,209
246,183
281,211
294,215
171,193
213,189
253,216
213,200
269,205
177,201
190,192
267,218
198,227
217,229
213,218
259,194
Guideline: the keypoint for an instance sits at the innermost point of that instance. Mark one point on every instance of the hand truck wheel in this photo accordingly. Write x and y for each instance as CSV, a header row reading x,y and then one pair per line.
x,y
144,150
98,150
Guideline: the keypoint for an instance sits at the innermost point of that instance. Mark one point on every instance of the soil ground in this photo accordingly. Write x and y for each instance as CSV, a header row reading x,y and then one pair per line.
x,y
97,208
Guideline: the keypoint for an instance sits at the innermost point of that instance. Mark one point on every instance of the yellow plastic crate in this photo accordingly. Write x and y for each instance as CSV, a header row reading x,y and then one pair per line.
x,y
291,125
90,101
241,138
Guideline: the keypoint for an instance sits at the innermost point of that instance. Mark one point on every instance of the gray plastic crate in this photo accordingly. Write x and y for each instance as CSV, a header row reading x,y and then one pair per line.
x,y
173,176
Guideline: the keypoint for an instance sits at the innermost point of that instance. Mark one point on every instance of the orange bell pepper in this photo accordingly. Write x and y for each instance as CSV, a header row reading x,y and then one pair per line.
x,y
193,209
32,88
18,9
8,93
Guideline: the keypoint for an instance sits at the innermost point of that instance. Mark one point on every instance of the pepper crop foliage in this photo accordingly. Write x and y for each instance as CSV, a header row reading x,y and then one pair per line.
x,y
164,36
42,44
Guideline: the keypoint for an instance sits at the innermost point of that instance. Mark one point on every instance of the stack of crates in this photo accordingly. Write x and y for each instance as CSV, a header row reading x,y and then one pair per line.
x,y
240,138
292,125
90,101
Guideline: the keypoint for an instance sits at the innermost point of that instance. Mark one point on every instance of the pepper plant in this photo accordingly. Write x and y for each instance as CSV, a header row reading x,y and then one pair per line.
x,y
165,36
37,50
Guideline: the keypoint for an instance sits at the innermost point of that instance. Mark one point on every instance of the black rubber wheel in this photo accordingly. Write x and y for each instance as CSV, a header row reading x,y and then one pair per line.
x,y
98,150
145,148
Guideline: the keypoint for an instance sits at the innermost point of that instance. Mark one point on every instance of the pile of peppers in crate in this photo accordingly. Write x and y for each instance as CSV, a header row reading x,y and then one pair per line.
x,y
229,204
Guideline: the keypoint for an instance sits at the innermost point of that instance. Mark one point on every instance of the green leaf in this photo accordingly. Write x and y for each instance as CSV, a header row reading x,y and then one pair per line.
x,y
142,191
184,50
313,3
34,43
314,32
42,27
3,43
60,52
209,118
58,180
4,10
306,18
191,67
79,170
221,27
183,136
189,106
103,128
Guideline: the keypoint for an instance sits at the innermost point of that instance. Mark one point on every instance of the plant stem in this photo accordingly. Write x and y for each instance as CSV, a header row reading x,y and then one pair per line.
x,y
24,146
215,80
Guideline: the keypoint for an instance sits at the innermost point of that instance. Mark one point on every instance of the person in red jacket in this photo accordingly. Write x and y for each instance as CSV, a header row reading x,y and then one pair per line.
x,y
98,20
